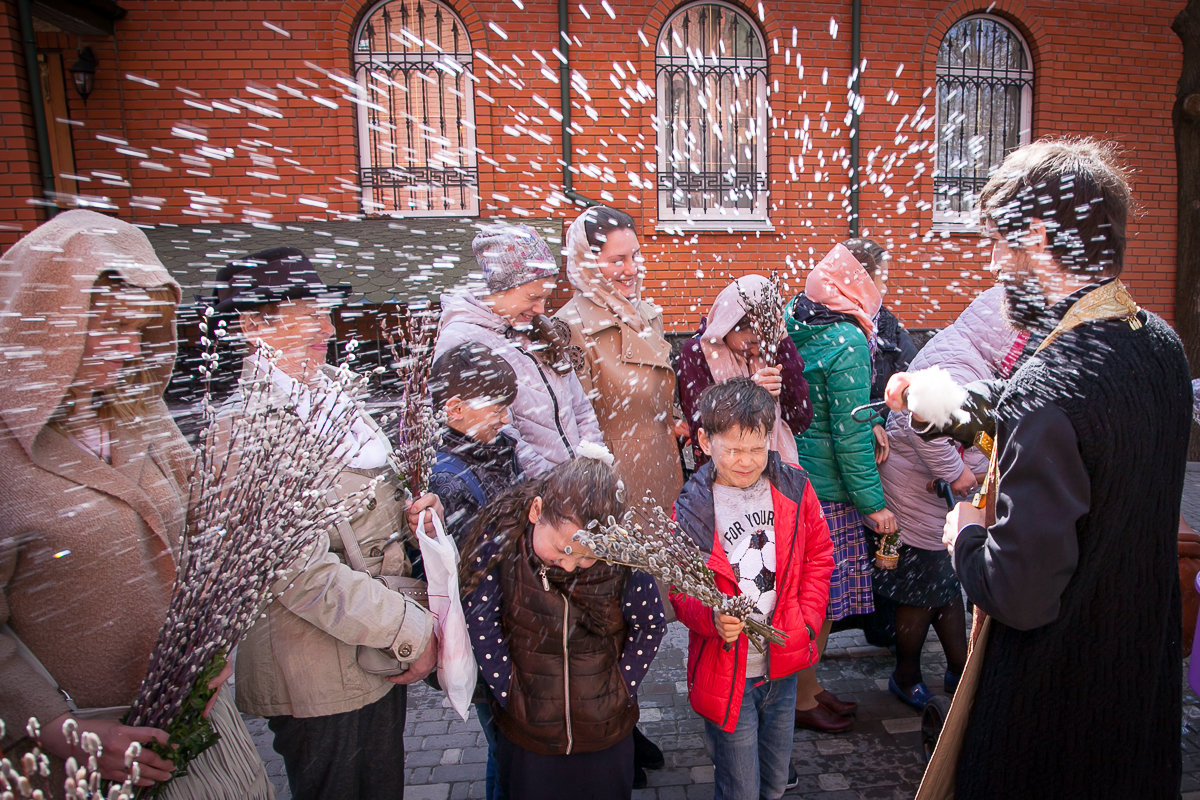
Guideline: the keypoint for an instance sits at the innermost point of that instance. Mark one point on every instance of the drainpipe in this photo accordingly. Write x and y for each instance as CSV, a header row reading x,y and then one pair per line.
x,y
34,77
564,84
855,60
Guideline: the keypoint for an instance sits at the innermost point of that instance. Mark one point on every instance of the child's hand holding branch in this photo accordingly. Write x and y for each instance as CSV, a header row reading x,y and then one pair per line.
x,y
728,628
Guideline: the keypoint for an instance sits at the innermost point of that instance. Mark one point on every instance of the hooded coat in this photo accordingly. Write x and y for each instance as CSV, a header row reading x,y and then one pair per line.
x,y
627,374
87,547
551,414
971,349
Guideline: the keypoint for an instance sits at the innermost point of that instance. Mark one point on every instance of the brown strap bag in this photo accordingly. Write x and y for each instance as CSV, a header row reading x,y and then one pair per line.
x,y
1189,566
370,659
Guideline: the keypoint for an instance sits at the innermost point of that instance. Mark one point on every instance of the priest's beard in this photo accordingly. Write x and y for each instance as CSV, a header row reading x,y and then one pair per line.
x,y
1025,303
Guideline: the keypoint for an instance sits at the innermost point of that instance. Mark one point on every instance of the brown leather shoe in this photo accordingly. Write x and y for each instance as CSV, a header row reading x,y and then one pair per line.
x,y
843,708
820,718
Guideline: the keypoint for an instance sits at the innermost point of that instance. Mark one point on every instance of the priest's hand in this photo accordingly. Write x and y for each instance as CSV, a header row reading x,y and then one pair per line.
x,y
962,515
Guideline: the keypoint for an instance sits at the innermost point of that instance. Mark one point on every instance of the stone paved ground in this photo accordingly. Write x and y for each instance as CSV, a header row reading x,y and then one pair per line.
x,y
880,757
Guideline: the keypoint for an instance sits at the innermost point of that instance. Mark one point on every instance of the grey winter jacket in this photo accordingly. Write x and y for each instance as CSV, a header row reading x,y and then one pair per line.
x,y
551,414
970,349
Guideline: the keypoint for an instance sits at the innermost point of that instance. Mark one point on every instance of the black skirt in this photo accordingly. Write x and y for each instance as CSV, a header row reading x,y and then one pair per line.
x,y
603,775
923,578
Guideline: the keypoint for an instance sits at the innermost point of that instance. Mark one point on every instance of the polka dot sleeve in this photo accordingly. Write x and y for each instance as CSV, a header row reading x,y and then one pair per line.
x,y
482,610
643,611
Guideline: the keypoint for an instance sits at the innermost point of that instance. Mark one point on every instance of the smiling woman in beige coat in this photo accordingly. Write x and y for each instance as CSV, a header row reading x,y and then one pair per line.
x,y
92,498
626,361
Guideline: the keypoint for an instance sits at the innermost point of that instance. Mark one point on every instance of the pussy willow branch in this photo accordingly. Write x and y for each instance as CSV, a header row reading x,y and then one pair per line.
x,y
650,541
765,316
31,774
257,507
412,345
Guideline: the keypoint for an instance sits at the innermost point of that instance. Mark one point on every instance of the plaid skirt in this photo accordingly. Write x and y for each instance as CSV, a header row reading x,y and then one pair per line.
x,y
850,585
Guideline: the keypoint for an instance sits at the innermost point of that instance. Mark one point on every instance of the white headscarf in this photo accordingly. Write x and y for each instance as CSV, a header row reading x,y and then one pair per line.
x,y
583,271
727,310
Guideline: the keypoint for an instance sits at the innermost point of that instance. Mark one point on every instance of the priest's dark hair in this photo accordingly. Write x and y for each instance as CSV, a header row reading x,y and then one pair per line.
x,y
1076,188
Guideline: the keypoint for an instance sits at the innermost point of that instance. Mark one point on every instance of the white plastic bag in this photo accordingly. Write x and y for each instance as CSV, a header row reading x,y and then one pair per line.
x,y
456,660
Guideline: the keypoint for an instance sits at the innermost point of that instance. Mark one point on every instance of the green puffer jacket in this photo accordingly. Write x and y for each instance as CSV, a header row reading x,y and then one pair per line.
x,y
837,452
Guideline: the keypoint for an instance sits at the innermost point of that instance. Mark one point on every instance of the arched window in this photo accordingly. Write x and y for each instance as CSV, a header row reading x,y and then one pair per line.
x,y
712,119
416,115
984,110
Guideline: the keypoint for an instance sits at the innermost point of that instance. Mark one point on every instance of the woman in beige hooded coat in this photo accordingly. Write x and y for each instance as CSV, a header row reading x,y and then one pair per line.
x,y
625,361
92,498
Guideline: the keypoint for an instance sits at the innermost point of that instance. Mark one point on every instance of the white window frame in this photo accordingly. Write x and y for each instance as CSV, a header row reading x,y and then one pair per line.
x,y
667,63
436,63
945,218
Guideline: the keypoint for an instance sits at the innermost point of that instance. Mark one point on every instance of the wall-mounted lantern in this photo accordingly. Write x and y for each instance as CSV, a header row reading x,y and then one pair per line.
x,y
83,72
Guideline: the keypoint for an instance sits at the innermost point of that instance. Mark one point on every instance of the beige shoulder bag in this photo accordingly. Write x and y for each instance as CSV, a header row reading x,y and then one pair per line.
x,y
372,659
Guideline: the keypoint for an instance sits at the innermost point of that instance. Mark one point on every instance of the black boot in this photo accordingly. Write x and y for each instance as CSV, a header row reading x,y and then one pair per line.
x,y
793,778
646,753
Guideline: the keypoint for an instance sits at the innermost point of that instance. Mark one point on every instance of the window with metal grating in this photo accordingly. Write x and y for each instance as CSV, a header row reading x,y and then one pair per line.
x,y
711,70
984,110
416,112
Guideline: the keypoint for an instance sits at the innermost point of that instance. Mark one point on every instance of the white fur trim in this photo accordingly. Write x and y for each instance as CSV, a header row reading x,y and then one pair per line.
x,y
934,396
594,451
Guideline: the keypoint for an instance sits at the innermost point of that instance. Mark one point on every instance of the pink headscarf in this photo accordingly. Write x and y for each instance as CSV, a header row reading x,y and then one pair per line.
x,y
727,310
841,284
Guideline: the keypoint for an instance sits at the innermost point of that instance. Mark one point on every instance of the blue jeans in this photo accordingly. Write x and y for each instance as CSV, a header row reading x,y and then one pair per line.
x,y
492,788
752,762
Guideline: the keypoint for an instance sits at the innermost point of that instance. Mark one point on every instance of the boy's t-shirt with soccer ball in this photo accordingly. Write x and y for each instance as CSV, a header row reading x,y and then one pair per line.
x,y
746,522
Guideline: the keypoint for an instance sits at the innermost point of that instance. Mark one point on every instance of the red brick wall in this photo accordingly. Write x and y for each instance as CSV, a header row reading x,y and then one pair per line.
x,y
1107,70
181,68
20,178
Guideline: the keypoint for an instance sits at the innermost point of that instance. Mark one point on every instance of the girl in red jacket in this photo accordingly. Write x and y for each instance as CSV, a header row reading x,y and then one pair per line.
x,y
761,523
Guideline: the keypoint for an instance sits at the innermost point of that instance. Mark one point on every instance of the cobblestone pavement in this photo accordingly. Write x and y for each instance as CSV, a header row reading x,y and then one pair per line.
x,y
877,759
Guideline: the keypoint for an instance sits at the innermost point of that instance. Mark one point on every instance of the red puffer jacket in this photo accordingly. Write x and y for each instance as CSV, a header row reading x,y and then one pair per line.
x,y
804,554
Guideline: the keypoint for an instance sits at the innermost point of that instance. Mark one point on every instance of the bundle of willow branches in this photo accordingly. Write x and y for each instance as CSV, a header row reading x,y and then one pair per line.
x,y
412,342
30,775
652,542
764,315
257,506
